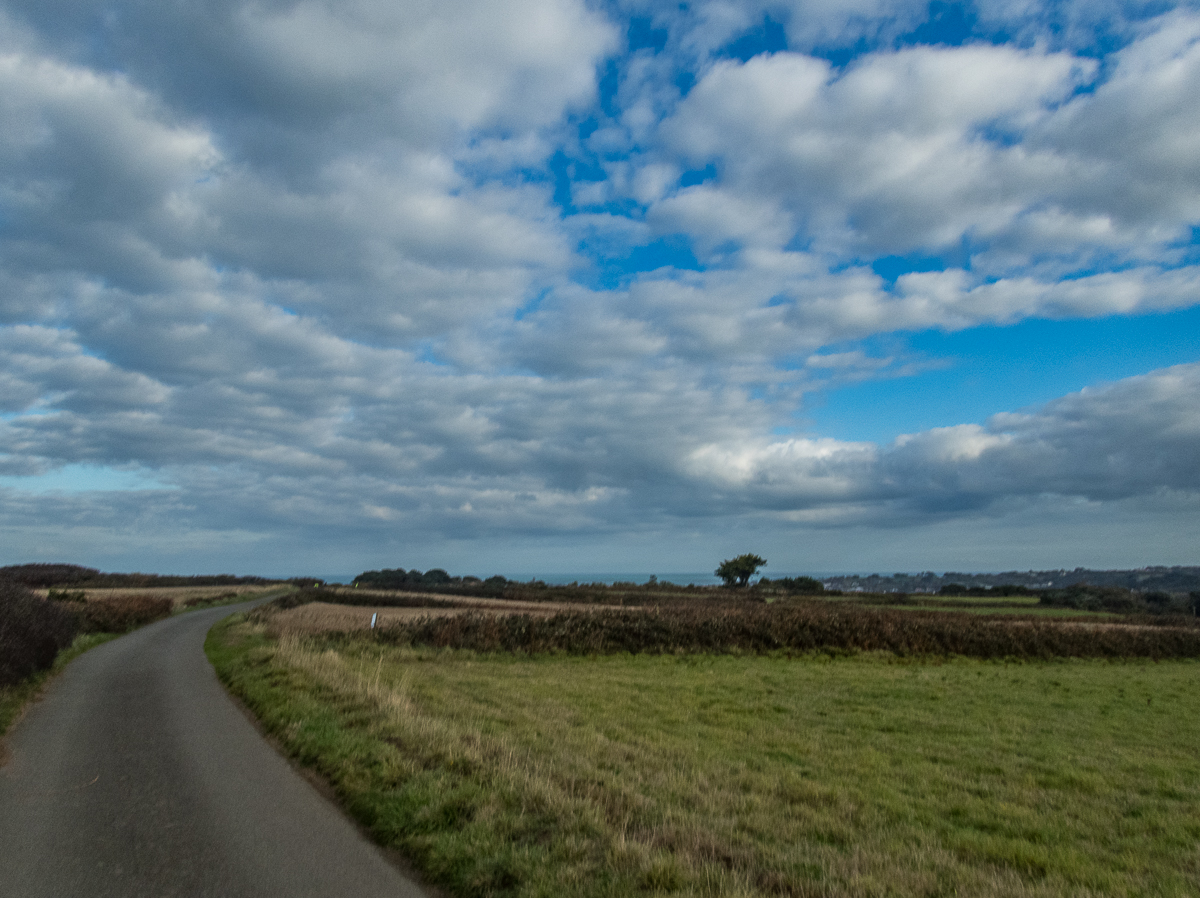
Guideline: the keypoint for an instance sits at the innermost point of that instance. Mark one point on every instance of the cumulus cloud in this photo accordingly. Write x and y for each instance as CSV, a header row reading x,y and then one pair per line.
x,y
922,148
467,271
314,147
1137,437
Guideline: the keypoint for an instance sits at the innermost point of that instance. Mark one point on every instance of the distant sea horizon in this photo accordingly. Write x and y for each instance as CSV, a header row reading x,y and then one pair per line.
x,y
679,579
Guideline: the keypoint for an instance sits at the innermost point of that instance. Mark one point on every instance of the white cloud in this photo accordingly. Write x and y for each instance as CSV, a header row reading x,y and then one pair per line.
x,y
305,262
460,63
1136,438
889,157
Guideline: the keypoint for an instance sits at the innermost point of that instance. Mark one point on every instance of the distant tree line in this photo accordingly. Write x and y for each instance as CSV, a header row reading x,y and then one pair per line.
x,y
1149,579
792,585
43,576
433,580
1086,597
1004,589
1118,600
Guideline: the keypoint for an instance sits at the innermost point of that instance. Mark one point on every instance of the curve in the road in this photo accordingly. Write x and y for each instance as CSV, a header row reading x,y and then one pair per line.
x,y
136,775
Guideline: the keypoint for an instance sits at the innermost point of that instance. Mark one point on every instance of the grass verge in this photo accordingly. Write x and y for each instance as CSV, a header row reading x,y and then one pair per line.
x,y
741,775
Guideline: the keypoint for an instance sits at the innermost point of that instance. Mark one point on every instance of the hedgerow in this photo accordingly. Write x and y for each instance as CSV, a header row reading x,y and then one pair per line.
x,y
32,631
797,628
120,613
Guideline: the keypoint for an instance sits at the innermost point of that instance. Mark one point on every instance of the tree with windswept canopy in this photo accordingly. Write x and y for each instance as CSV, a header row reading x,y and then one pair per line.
x,y
738,571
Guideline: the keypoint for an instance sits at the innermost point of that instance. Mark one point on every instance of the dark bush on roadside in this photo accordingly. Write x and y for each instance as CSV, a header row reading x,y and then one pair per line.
x,y
120,613
32,631
798,628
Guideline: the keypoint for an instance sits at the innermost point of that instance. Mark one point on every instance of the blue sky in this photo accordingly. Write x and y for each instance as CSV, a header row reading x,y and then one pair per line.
x,y
570,286
993,369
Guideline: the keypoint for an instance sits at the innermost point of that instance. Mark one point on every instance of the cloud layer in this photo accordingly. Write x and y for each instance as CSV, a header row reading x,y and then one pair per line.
x,y
364,275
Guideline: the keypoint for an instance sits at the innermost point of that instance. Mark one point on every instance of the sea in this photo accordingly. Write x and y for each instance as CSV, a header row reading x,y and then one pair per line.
x,y
562,579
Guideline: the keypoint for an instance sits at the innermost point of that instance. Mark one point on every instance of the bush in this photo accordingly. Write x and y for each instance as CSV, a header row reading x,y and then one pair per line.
x,y
32,631
798,585
1117,600
121,613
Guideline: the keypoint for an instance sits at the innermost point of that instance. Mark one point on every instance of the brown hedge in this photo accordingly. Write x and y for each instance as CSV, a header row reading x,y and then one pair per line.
x,y
804,628
120,614
32,631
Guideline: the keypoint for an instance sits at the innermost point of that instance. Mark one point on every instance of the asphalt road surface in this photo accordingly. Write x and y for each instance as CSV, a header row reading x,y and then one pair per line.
x,y
136,775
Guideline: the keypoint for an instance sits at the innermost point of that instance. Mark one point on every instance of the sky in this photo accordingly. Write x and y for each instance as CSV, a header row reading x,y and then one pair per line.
x,y
326,286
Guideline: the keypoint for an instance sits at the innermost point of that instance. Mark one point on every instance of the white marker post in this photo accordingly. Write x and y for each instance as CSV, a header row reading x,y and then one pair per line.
x,y
373,616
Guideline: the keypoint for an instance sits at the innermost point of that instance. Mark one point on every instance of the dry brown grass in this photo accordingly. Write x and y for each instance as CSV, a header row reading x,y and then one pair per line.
x,y
322,617
482,604
179,596
325,617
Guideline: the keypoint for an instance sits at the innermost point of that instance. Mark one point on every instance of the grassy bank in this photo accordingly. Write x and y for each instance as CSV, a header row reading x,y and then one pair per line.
x,y
745,775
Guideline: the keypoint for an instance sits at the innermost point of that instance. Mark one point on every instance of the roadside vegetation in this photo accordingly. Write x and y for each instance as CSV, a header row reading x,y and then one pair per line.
x,y
32,632
44,622
851,773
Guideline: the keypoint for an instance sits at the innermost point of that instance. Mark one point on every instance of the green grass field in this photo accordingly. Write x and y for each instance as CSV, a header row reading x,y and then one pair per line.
x,y
857,775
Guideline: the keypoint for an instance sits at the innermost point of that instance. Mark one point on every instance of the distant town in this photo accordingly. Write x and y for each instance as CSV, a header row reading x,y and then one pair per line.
x,y
1146,579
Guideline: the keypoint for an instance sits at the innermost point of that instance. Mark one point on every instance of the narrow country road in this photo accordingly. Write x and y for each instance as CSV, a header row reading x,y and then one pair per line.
x,y
136,775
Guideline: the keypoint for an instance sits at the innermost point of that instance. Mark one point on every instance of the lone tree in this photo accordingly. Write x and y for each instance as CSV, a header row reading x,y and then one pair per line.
x,y
738,571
